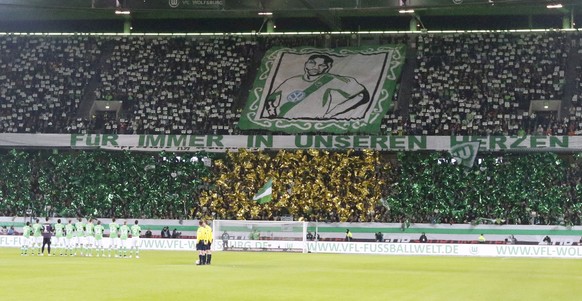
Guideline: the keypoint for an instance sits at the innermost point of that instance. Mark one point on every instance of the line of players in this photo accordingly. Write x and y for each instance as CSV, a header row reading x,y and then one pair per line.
x,y
81,238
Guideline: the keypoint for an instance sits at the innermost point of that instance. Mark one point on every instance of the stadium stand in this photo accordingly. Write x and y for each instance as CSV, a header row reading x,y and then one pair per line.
x,y
98,183
465,83
469,84
175,85
575,112
411,187
43,81
475,84
168,85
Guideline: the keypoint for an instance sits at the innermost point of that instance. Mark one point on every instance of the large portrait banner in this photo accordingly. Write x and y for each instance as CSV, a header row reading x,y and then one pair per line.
x,y
344,90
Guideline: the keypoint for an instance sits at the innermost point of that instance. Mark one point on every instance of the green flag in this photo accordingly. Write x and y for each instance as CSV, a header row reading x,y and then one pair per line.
x,y
265,194
465,153
384,203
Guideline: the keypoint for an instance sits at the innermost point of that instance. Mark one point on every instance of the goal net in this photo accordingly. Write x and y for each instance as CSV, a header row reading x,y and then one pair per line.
x,y
282,236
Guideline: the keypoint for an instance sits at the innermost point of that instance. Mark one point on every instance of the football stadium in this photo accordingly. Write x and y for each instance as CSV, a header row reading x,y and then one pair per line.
x,y
290,150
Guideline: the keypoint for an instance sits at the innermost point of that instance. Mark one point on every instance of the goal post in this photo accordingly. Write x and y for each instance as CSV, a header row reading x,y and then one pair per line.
x,y
270,236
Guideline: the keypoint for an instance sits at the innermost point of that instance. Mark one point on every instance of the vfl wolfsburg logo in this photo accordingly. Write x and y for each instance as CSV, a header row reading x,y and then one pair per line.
x,y
296,96
174,3
465,153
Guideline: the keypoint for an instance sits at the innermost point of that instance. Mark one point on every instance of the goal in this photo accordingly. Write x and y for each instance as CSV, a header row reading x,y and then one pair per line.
x,y
275,236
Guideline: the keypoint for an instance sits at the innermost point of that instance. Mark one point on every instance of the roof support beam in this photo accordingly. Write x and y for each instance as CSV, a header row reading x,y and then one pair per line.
x,y
323,13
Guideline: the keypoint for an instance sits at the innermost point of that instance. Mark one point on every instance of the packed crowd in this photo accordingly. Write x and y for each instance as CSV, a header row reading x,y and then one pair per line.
x,y
103,184
42,81
463,83
484,83
413,187
176,85
541,188
575,117
309,184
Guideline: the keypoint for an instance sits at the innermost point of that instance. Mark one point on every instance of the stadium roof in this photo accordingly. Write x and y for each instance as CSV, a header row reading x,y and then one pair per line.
x,y
330,13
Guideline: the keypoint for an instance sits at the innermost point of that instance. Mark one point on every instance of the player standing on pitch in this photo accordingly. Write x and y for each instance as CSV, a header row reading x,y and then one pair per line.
x,y
47,233
201,243
59,237
99,238
135,240
79,236
69,238
210,238
36,237
113,237
123,235
26,230
89,237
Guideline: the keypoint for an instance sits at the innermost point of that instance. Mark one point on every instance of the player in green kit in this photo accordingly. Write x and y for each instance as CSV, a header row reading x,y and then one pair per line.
x,y
59,237
69,238
99,239
135,240
36,237
123,236
89,237
79,236
26,230
113,237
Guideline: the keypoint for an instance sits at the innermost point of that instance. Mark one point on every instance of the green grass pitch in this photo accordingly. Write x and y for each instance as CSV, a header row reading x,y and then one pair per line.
x,y
170,276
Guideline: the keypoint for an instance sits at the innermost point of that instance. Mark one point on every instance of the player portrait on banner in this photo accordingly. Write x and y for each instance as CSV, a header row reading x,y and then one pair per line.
x,y
343,90
318,94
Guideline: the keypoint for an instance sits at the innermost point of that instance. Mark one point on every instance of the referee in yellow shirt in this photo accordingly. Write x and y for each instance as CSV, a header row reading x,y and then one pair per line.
x,y
201,242
209,238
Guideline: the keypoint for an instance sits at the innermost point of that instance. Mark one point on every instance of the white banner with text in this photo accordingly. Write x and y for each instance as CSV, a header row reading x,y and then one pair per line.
x,y
222,143
407,249
12,241
410,249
